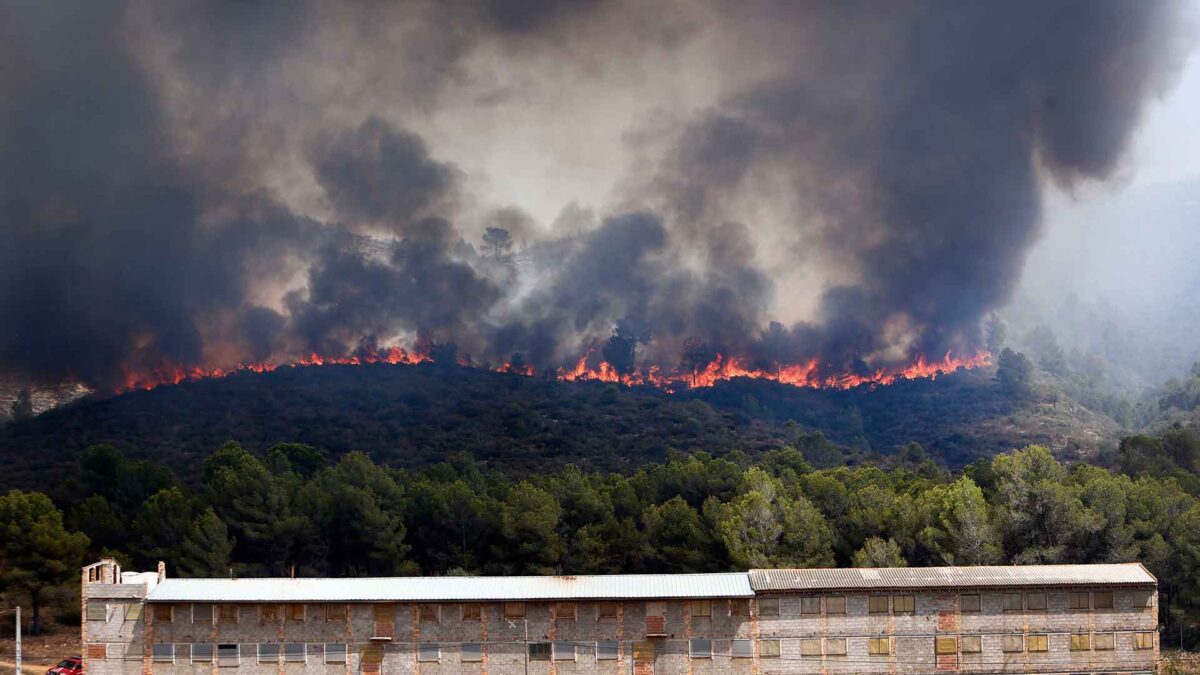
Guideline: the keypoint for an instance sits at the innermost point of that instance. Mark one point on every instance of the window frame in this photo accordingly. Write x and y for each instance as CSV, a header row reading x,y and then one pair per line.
x,y
288,657
427,649
873,602
607,610
811,647
194,658
1110,638
336,611
540,651
603,655
1138,641
904,604
1037,642
768,606
879,646
475,613
296,612
832,651
212,613
1036,606
700,608
228,613
314,650
1081,642
1074,599
339,654
975,642
1110,603
748,648
1013,602
95,607
695,651
164,612
429,611
269,613
806,605
470,652
158,648
563,650
945,644
271,646
1012,643
773,648
978,603
514,610
835,600
566,611
222,659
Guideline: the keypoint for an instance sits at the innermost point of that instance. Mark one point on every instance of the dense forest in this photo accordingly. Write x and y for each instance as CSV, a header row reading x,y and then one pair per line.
x,y
293,507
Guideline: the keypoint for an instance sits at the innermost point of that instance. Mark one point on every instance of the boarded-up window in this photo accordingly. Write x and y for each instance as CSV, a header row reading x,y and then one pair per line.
x,y
1105,641
878,646
1012,643
472,611
810,605
163,613
202,652
1013,602
295,612
227,613
539,651
472,652
835,604
163,653
1143,640
430,612
202,613
335,652
810,647
904,604
97,611
1038,643
607,650
701,608
268,652
429,652
563,651
96,652
565,610
835,647
1102,600
1081,642
700,648
1080,601
971,644
514,610
768,607
336,612
969,603
606,610
1142,598
133,611
878,604
946,645
768,649
643,650
1035,602
268,613
293,652
228,656
741,649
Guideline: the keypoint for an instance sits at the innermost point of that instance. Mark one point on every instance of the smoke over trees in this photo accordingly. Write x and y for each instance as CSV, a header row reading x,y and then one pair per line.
x,y
209,185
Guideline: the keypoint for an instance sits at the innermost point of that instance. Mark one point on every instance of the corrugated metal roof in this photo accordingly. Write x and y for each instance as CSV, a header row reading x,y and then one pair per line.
x,y
450,589
1128,574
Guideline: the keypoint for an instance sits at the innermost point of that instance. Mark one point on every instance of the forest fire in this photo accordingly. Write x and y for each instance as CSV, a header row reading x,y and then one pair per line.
x,y
591,367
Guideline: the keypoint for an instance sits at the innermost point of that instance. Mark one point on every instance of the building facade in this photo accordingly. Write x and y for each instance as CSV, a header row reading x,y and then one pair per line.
x,y
1030,619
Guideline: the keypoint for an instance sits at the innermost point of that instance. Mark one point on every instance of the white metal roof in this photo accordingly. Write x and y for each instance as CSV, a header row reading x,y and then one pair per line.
x,y
450,589
1123,574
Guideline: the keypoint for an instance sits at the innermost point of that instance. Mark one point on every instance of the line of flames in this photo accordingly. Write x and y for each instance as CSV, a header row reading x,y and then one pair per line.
x,y
808,374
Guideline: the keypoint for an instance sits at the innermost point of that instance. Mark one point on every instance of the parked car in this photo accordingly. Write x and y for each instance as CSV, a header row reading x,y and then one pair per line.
x,y
71,666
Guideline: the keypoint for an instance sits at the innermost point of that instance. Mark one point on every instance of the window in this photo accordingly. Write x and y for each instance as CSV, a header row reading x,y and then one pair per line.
x,y
336,612
268,653
1106,641
606,610
878,604
643,650
971,644
472,611
969,603
335,652
268,613
1142,598
430,612
768,649
1012,643
739,608
163,653
429,652
810,605
1081,642
835,604
133,611
741,649
202,652
163,613
227,613
945,645
700,648
228,656
295,612
514,610
768,607
810,647
472,652
1102,600
607,650
316,651
1038,643
97,611
1035,602
835,647
1080,601
538,651
1013,602
878,646
202,613
1143,640
563,651
565,610
701,608
904,604
293,652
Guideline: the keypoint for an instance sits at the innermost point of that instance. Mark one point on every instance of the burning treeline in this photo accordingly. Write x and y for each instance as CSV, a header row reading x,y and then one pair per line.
x,y
229,195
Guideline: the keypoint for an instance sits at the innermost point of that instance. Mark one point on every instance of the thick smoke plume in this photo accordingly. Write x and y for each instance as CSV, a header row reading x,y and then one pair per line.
x,y
853,185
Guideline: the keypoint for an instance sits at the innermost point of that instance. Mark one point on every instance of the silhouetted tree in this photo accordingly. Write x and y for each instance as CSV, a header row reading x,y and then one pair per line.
x,y
22,408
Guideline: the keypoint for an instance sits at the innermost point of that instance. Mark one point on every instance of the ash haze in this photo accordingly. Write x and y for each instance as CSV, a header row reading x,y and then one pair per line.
x,y
859,183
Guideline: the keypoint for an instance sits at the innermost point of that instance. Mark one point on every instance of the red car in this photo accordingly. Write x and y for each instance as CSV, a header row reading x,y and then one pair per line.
x,y
71,666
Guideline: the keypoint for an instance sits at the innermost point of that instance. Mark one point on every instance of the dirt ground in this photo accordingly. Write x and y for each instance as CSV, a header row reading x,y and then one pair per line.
x,y
39,652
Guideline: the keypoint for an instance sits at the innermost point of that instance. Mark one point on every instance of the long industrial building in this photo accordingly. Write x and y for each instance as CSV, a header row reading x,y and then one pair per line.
x,y
1064,619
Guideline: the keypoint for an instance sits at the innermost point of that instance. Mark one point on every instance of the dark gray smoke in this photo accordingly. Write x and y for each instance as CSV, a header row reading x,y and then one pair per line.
x,y
216,183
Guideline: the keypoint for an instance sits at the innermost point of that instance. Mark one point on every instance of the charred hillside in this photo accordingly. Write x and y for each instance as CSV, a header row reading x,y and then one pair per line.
x,y
412,416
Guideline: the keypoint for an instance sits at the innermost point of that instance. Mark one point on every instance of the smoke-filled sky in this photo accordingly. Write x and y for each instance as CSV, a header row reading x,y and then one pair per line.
x,y
215,183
